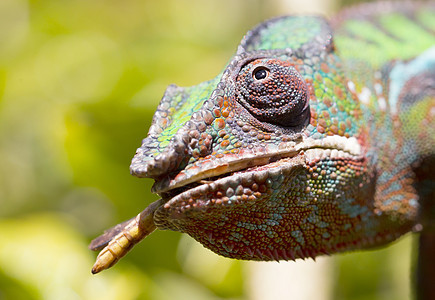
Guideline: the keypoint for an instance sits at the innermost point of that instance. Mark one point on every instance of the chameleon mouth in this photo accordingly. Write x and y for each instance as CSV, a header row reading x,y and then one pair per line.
x,y
248,161
245,186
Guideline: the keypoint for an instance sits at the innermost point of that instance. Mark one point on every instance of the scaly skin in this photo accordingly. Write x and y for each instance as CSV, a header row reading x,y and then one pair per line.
x,y
308,143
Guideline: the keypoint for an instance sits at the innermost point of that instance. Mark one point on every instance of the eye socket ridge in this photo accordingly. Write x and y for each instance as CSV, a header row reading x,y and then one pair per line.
x,y
260,73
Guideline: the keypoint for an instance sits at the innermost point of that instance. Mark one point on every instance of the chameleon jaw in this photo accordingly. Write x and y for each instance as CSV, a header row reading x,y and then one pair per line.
x,y
209,168
282,166
251,196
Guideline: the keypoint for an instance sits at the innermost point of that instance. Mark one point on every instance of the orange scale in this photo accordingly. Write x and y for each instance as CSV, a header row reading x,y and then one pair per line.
x,y
216,112
225,143
334,129
220,123
324,67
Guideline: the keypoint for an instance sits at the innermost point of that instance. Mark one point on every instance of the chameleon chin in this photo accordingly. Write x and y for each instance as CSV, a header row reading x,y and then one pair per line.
x,y
318,137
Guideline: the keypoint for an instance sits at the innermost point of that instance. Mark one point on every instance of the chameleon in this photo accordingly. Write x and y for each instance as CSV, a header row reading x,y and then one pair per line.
x,y
318,137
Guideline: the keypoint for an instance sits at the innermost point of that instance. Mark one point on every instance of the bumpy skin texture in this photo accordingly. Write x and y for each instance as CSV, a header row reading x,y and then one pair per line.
x,y
308,142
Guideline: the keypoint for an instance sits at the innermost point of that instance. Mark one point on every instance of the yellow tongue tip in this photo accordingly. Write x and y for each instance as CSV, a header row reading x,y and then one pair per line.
x,y
124,238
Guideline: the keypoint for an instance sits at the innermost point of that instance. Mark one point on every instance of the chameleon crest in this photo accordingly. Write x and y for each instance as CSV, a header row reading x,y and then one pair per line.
x,y
284,154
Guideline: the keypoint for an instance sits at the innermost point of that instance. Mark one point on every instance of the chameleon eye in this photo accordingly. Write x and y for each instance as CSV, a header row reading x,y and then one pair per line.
x,y
273,91
260,73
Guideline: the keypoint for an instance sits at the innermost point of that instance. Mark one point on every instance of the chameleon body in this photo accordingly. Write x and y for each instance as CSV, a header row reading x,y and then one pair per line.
x,y
309,142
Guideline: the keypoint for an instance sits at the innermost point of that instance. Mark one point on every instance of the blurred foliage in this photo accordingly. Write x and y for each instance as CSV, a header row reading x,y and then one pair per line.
x,y
79,83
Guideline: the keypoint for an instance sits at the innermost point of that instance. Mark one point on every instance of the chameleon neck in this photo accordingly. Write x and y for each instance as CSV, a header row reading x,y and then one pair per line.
x,y
396,91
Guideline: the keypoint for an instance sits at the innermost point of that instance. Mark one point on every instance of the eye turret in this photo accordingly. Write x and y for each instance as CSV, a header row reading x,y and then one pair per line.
x,y
273,91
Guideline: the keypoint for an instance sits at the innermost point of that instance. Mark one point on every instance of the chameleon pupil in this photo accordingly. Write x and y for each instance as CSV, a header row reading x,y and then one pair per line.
x,y
260,74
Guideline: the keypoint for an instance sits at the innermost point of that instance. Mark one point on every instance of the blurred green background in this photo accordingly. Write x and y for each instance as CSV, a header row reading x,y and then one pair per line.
x,y
79,83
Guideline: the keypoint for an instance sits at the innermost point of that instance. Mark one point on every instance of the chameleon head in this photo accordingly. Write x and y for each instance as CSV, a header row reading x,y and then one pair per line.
x,y
266,161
